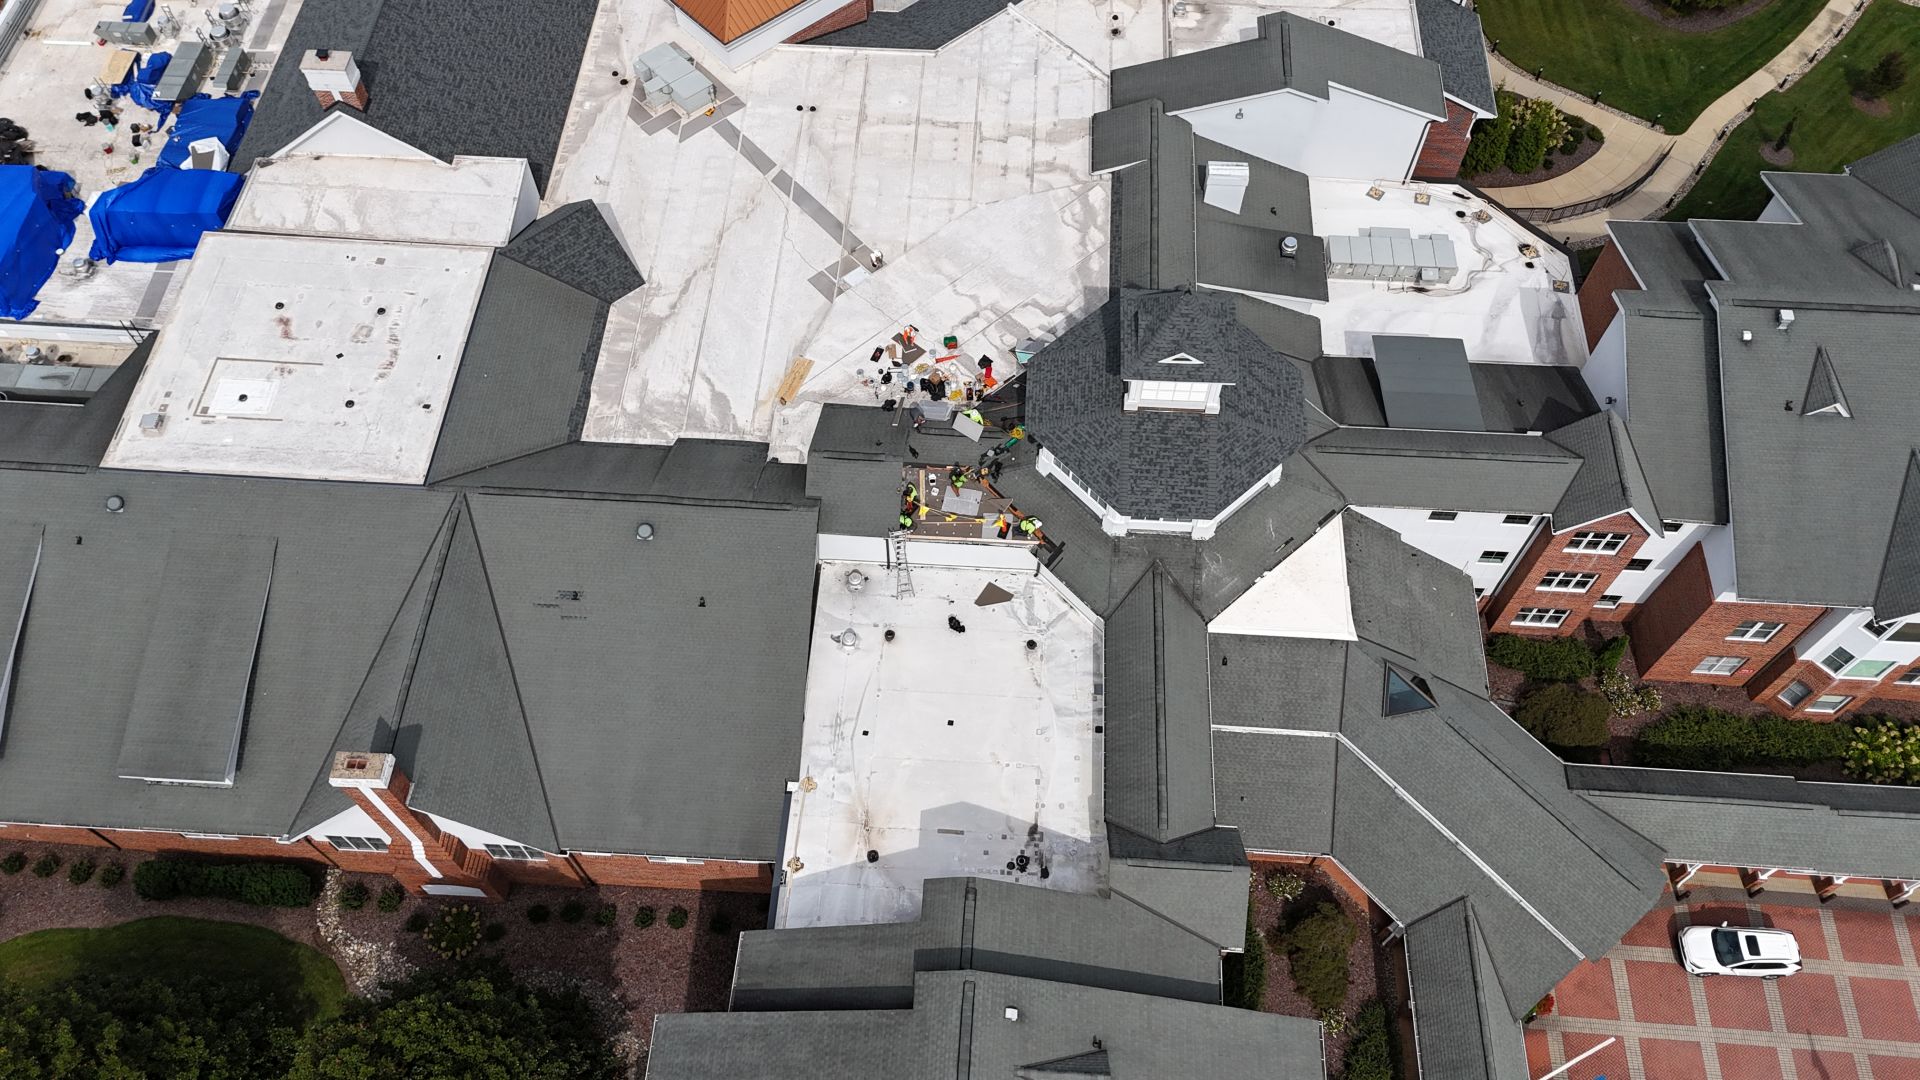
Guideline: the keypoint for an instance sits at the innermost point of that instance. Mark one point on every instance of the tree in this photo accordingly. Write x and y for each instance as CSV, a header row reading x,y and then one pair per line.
x,y
1317,945
1786,133
124,1028
452,1024
1558,714
1882,78
1487,150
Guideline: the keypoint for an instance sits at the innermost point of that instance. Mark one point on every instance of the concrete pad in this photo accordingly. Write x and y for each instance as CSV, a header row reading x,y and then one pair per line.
x,y
945,753
965,169
1205,24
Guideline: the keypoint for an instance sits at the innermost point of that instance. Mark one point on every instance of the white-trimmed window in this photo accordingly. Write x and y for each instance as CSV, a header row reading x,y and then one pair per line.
x,y
1517,519
1607,600
1442,515
1911,678
210,836
1755,630
1597,543
1539,616
1171,394
1719,665
1493,556
1829,703
516,852
1639,564
358,843
682,860
1567,581
1836,661
1795,693
1867,669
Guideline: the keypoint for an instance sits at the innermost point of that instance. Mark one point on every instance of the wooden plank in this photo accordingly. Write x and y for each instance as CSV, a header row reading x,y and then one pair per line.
x,y
790,383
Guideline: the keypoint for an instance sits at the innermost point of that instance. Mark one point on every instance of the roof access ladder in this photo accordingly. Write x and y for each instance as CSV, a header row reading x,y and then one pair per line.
x,y
897,555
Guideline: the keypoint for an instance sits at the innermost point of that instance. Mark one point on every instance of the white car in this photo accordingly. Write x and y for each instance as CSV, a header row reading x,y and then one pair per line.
x,y
1723,950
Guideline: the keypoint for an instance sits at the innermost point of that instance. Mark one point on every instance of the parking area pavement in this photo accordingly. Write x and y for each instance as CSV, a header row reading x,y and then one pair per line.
x,y
1852,1014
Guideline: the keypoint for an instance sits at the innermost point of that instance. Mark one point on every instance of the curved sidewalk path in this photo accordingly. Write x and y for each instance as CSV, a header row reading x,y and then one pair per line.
x,y
1632,144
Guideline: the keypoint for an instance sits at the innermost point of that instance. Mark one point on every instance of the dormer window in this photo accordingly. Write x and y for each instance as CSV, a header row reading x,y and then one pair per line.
x,y
1183,395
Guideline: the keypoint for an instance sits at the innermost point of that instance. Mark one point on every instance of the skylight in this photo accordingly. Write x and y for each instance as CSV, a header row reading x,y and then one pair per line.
x,y
1405,693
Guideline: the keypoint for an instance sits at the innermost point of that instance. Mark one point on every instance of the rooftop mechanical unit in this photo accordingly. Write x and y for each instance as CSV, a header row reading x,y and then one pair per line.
x,y
667,76
132,35
181,80
1384,254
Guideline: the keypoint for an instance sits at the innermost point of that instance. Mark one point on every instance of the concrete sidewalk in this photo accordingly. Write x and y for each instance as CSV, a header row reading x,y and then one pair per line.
x,y
1615,166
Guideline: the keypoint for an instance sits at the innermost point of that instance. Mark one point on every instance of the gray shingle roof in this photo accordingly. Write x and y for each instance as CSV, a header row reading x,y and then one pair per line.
x,y
1459,1015
1531,397
1610,478
70,436
1243,250
1426,382
1893,172
1158,463
1899,588
1153,210
1159,767
1450,36
1290,53
527,372
693,470
1452,470
1207,900
446,77
919,26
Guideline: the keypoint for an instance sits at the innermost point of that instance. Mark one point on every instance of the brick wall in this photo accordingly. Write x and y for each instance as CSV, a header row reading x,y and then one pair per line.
x,y
853,14
555,870
1597,306
1894,691
1445,145
1682,624
1548,553
53,834
638,870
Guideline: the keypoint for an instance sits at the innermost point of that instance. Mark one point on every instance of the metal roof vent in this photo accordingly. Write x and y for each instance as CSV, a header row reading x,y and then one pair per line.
x,y
1786,319
856,581
1290,246
644,531
847,639
116,504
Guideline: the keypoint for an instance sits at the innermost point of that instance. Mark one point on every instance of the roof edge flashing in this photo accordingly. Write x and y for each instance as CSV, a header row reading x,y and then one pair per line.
x,y
10,661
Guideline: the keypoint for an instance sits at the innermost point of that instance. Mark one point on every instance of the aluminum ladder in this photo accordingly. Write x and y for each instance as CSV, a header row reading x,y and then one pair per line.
x,y
902,573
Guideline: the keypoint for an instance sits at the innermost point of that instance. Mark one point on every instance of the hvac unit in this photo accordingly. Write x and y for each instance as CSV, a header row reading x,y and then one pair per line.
x,y
1386,254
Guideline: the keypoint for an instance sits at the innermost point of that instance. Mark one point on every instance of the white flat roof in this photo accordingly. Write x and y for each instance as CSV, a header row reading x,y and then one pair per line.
x,y
967,169
946,753
1305,596
1501,302
474,200
307,358
1207,23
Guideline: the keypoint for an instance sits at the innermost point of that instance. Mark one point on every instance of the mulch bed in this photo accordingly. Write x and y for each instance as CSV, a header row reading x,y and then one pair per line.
x,y
1369,967
634,974
1557,165
1698,22
1871,106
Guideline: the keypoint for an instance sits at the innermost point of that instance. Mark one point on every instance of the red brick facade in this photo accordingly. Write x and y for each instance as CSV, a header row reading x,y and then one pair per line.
x,y
1548,554
718,876
1445,146
853,14
357,98
1682,624
1597,306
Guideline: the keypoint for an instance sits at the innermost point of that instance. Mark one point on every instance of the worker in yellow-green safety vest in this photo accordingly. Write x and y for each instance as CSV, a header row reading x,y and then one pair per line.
x,y
1029,526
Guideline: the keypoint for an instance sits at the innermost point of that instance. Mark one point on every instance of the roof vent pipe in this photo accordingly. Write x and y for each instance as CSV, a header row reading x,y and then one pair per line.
x,y
116,504
1786,319
1290,246
856,581
644,531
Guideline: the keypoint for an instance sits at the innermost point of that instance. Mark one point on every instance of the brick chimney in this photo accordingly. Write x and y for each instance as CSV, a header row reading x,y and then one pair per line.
x,y
426,858
333,76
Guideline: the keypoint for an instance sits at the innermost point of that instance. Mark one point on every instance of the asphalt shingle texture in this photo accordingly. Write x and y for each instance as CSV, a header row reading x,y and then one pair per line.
x,y
920,26
34,435
1450,36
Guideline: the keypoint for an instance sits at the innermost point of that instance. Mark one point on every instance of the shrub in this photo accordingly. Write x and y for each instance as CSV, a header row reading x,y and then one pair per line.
x,y
538,914
417,922
81,872
45,865
1487,149
258,883
1576,135
605,915
572,911
391,898
14,863
1317,947
1370,1053
677,917
1286,887
1883,78
1537,128
1608,658
1593,132
1244,975
1884,753
111,874
353,896
1545,659
494,932
720,922
1334,1021
1701,737
1558,714
1626,699
454,931
643,917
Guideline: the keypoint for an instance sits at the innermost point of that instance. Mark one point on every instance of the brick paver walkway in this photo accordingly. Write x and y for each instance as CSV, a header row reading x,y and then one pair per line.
x,y
1853,1014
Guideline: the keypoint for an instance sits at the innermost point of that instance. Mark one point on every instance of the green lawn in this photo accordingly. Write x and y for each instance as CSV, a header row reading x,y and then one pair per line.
x,y
1828,131
1634,62
169,947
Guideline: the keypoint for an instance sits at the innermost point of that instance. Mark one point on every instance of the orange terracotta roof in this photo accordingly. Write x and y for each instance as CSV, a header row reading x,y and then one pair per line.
x,y
728,19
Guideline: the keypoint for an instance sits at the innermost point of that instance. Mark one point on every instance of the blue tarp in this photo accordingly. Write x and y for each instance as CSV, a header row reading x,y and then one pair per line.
x,y
205,116
36,224
159,217
140,90
137,11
